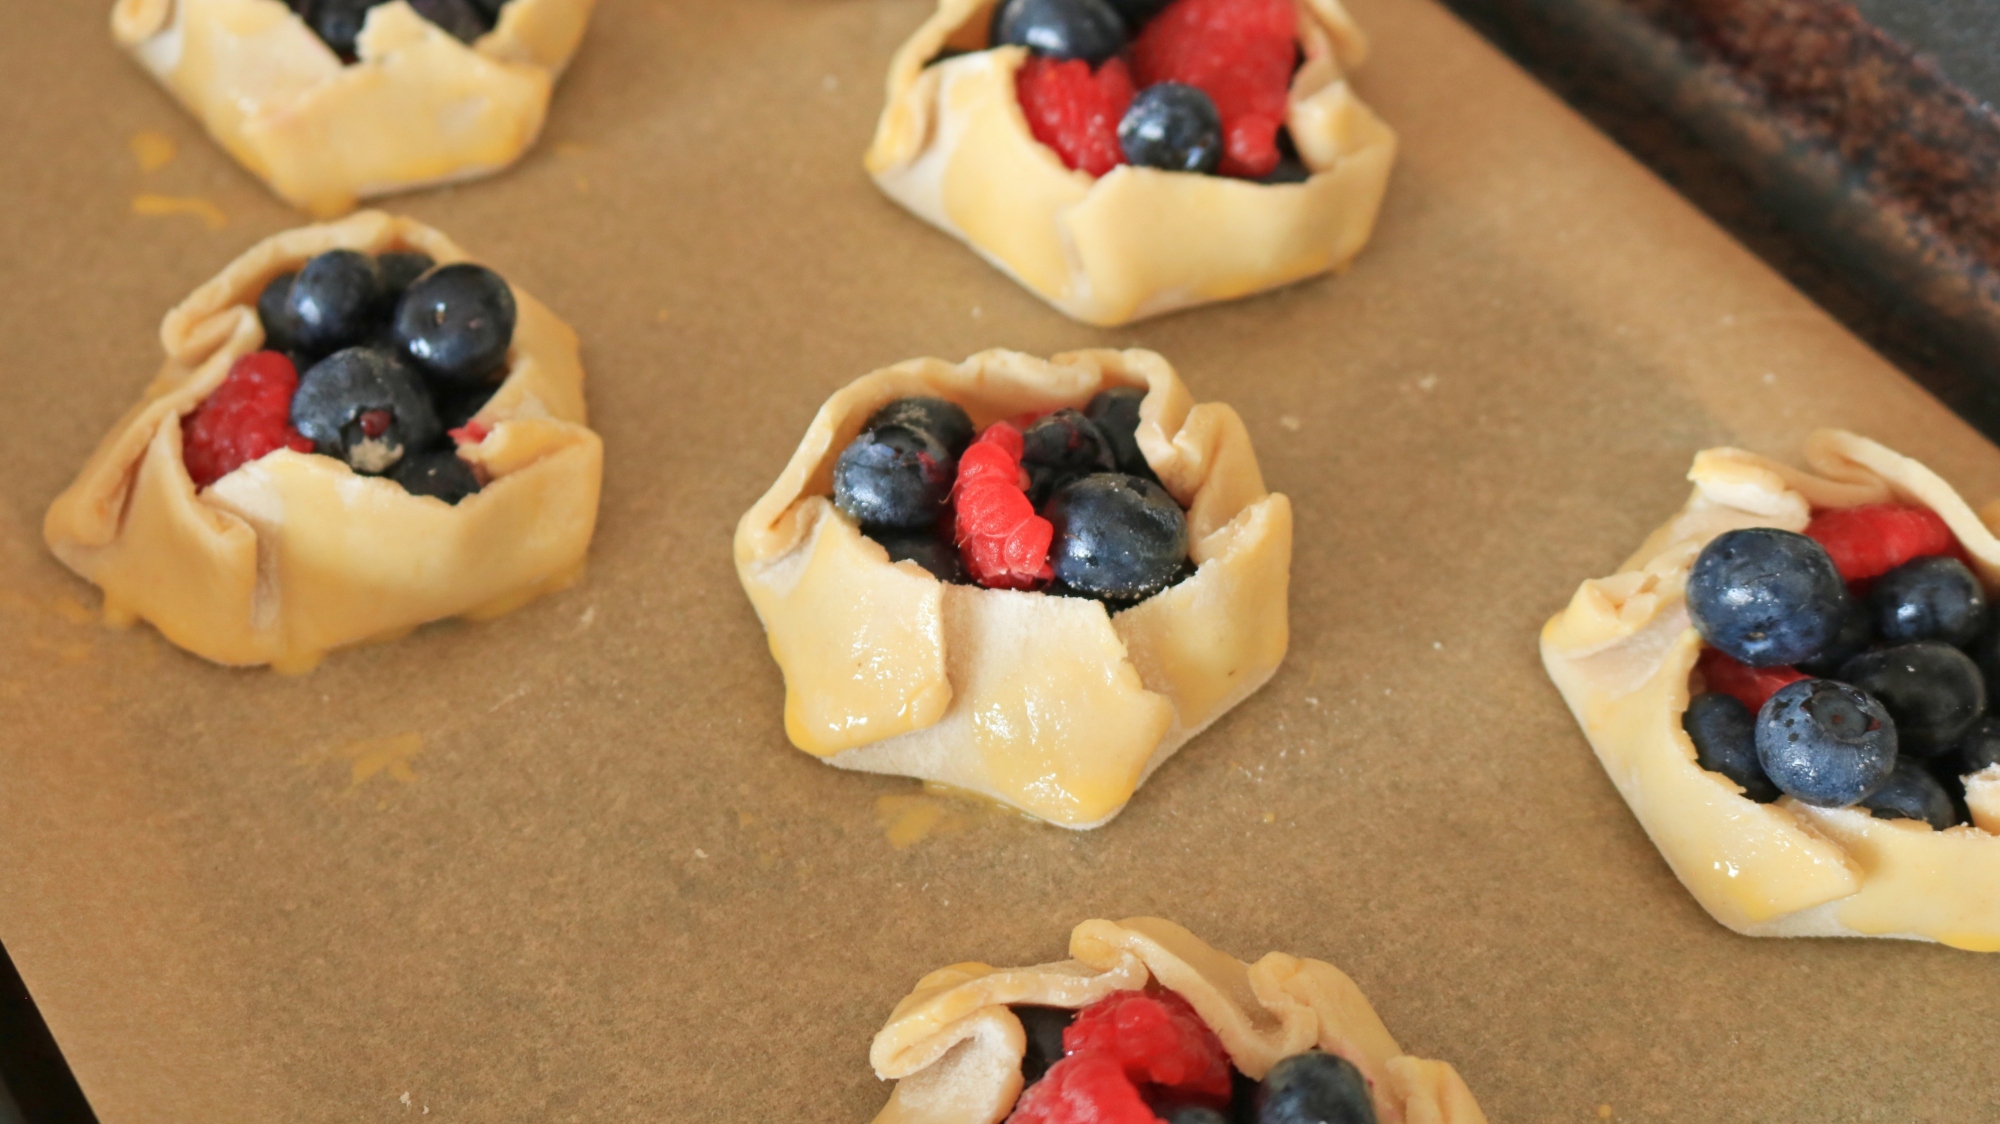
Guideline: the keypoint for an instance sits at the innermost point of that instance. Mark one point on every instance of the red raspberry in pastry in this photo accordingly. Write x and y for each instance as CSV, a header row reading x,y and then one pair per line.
x,y
1083,1089
1005,545
1867,542
1075,111
1240,53
248,416
1750,686
1163,1045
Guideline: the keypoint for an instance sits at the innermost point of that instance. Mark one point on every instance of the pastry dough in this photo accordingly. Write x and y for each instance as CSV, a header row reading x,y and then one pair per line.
x,y
418,107
1622,654
953,146
1049,704
293,555
954,1049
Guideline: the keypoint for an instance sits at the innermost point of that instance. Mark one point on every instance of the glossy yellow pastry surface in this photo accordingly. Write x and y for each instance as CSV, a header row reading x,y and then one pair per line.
x,y
954,1049
417,107
1048,704
953,146
294,555
1622,654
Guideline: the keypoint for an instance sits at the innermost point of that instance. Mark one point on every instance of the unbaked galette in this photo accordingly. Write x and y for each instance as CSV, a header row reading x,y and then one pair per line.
x,y
1033,580
1145,1024
356,431
1790,683
331,101
1125,158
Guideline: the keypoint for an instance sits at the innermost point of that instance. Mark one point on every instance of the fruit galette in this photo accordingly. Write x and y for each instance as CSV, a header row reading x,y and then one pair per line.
x,y
1125,158
1031,580
1789,683
1146,1024
330,101
356,431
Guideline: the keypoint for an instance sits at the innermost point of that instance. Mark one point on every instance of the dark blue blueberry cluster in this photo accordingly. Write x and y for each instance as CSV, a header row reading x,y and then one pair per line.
x,y
1119,537
1895,714
339,22
393,351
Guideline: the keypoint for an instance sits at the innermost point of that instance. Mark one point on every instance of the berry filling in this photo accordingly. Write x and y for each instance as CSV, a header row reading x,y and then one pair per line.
x,y
1849,666
380,362
1198,86
338,23
249,416
1061,502
1076,112
1005,545
1144,1057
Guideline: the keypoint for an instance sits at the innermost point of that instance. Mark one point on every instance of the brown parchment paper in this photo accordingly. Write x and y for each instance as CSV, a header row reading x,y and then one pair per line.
x,y
563,866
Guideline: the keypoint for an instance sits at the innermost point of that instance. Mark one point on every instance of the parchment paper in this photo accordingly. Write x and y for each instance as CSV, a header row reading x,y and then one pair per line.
x,y
564,866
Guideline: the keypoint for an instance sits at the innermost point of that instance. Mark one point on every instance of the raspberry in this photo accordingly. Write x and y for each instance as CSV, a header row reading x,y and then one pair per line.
x,y
1867,542
1163,1045
1750,686
1238,52
1004,543
1083,1089
1074,111
247,417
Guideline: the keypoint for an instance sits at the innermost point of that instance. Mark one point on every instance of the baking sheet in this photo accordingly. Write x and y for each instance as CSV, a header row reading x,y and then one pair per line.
x,y
564,866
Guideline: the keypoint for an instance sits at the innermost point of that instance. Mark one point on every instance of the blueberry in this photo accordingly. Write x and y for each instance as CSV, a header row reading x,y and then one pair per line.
x,y
1136,13
398,269
364,407
1857,632
1724,733
334,302
1062,29
1985,652
455,323
455,406
1117,537
895,476
1068,439
1912,794
1192,1114
275,314
1044,1027
1978,749
1314,1088
1825,743
1172,126
927,549
1954,789
1766,597
945,421
1116,412
437,472
1934,598
1932,690
1062,447
1291,167
339,22
460,19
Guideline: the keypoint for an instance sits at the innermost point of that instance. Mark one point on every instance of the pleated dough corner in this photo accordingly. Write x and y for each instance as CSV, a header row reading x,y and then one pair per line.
x,y
1622,654
954,1048
1048,704
417,108
953,146
294,555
